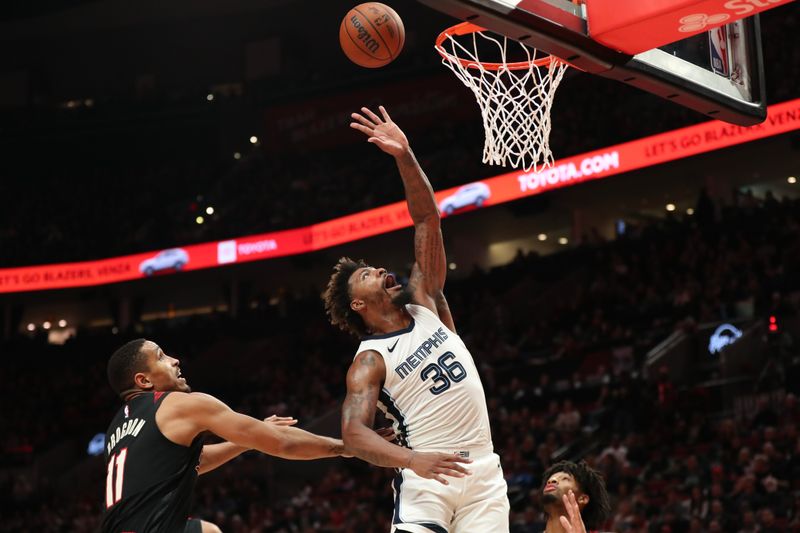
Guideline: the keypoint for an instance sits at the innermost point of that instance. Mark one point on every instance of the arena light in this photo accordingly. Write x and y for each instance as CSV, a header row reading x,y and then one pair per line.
x,y
542,237
62,323
452,266
209,210
31,327
46,324
690,211
670,207
237,156
253,139
199,220
210,97
563,240
792,180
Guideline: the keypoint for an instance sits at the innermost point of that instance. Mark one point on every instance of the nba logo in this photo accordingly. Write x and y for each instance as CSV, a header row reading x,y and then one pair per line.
x,y
127,413
226,252
718,48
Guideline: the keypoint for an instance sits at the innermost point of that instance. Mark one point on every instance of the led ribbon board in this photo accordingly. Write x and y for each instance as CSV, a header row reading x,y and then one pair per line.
x,y
598,164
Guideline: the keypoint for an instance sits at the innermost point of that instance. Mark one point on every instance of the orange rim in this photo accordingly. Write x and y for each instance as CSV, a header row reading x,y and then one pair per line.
x,y
465,28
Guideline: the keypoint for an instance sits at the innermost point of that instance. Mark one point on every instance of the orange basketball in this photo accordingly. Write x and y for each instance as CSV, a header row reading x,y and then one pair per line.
x,y
372,35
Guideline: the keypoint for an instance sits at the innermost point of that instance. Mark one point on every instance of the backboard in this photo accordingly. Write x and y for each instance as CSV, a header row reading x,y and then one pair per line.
x,y
719,73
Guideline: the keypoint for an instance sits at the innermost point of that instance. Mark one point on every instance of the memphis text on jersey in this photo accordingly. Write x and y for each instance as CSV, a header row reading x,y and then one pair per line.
x,y
421,353
130,427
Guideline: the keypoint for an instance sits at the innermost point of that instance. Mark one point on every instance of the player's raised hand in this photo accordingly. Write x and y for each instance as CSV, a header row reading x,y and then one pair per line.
x,y
381,131
281,420
575,523
437,465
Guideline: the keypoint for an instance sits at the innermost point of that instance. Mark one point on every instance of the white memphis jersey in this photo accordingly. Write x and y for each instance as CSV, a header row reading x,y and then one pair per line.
x,y
432,392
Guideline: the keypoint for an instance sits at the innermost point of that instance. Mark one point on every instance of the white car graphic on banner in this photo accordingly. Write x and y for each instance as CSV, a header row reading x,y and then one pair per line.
x,y
471,194
171,259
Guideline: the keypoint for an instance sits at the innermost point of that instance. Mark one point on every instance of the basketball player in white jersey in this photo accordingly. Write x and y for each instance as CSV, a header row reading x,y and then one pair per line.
x,y
413,366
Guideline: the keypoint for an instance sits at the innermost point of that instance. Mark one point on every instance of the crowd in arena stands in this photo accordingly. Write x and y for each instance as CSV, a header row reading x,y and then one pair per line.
x,y
143,200
562,380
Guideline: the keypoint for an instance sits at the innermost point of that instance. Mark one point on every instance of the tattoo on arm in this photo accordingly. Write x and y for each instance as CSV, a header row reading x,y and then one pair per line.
x,y
362,390
430,257
368,359
336,449
364,382
419,193
376,458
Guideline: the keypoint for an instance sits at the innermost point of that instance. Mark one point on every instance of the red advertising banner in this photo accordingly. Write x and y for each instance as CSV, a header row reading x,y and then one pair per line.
x,y
638,25
597,164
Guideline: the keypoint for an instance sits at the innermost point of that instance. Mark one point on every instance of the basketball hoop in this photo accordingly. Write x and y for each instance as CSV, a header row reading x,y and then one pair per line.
x,y
515,97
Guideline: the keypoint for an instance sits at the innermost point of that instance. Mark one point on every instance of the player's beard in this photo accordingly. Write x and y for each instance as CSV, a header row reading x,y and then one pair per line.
x,y
550,498
402,297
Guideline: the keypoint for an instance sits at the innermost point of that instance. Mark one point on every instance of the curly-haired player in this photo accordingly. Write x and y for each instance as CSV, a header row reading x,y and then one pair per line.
x,y
413,365
574,494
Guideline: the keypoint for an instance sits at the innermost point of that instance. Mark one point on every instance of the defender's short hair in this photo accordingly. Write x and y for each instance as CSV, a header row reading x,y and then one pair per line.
x,y
592,484
124,364
337,298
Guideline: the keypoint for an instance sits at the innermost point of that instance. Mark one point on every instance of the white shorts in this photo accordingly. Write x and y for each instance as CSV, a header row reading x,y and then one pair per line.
x,y
473,504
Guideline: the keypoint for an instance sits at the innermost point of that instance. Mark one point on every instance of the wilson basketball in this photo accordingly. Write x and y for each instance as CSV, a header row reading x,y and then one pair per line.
x,y
372,35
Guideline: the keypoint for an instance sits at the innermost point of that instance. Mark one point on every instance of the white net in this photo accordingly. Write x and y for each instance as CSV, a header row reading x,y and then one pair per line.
x,y
515,98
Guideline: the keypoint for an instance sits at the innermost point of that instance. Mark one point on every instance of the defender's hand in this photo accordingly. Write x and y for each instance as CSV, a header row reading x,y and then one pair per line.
x,y
281,420
575,522
436,465
381,131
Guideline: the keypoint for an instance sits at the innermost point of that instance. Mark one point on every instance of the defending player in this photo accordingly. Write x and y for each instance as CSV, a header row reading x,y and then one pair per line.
x,y
573,494
154,448
415,368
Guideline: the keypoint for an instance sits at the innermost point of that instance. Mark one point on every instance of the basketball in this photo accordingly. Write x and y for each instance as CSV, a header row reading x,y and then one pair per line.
x,y
372,35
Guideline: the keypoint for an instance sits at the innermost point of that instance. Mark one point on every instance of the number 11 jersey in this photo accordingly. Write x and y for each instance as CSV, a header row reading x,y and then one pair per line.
x,y
432,392
149,479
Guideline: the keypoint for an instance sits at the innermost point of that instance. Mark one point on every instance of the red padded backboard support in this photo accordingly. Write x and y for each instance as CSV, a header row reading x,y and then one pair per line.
x,y
635,26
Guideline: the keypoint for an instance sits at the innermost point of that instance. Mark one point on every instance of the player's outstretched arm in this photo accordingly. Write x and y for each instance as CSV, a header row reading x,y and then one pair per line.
x,y
183,416
216,455
430,268
364,380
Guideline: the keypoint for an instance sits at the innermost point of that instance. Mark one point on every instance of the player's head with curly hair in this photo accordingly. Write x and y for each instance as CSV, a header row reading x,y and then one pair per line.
x,y
588,486
337,298
359,296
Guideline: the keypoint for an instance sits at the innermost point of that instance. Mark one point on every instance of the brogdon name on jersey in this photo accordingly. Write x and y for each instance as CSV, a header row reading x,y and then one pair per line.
x,y
432,392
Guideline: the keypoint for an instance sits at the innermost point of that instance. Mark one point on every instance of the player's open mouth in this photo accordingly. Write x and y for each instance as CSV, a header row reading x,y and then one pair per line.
x,y
389,282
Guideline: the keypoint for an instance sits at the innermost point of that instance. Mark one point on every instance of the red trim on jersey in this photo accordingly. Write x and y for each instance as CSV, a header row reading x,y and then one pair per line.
x,y
157,396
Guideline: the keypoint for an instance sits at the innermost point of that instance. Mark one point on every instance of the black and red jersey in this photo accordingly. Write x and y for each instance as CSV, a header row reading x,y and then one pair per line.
x,y
149,479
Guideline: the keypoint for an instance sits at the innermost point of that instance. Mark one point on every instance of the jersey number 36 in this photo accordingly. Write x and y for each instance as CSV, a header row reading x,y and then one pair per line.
x,y
445,371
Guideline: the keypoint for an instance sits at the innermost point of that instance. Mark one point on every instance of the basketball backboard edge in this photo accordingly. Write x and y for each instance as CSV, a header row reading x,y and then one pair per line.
x,y
559,27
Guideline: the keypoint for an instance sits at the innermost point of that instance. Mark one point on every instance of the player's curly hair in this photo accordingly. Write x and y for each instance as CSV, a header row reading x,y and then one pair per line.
x,y
337,298
592,484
